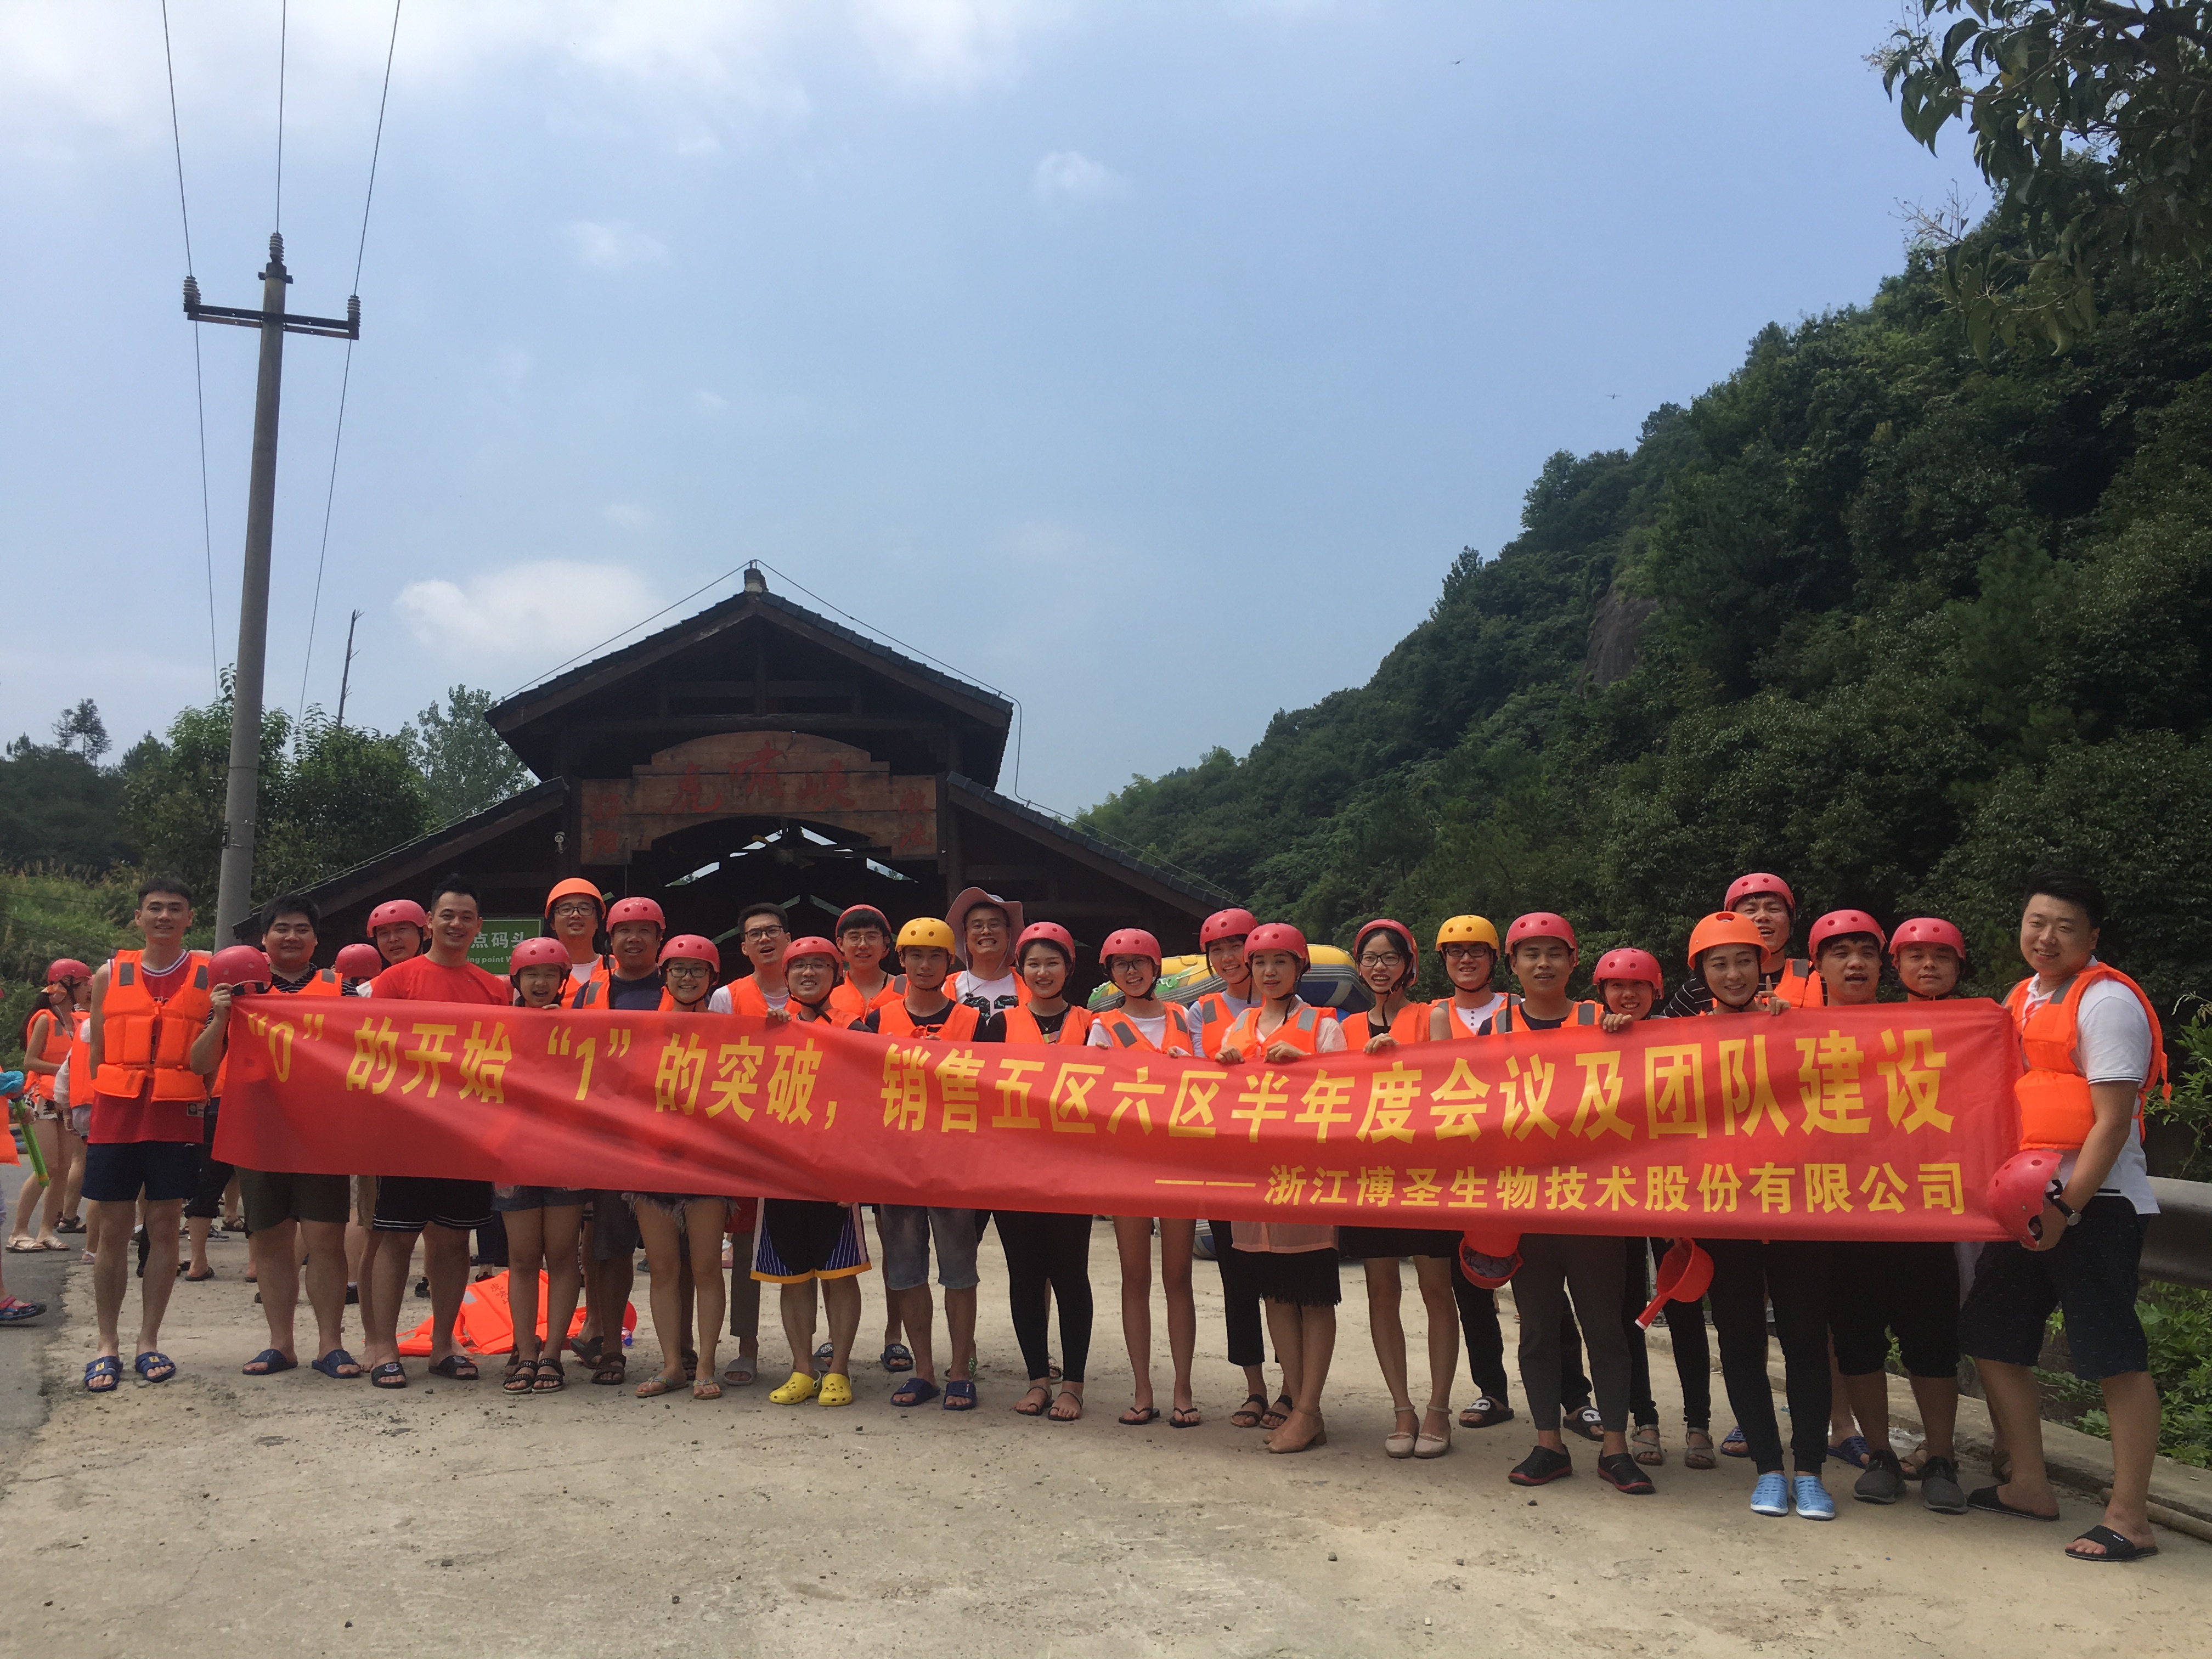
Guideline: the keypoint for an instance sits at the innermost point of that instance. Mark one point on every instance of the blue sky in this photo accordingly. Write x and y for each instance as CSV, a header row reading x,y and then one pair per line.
x,y
1149,362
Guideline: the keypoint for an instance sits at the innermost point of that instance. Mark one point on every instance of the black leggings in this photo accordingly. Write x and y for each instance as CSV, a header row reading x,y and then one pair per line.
x,y
1240,1297
1485,1345
206,1201
1686,1328
1048,1256
1792,1275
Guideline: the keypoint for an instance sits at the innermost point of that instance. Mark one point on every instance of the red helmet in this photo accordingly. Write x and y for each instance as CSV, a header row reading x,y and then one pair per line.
x,y
1489,1256
1121,942
238,964
636,909
684,947
1837,923
1278,936
812,945
1225,924
1686,1274
1541,924
1759,881
1928,930
1630,963
533,953
1397,930
1051,933
397,911
860,916
67,970
362,962
2017,1190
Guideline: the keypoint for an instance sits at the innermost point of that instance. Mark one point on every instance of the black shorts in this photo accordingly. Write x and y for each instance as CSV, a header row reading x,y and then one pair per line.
x,y
2090,1277
1910,1289
614,1227
1373,1243
802,1239
407,1204
1305,1279
272,1199
121,1171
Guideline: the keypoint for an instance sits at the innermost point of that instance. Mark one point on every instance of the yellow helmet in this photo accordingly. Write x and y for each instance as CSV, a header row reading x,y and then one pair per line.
x,y
925,933
1466,930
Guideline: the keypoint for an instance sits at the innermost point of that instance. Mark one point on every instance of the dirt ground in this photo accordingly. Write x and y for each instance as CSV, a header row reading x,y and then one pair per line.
x,y
218,1514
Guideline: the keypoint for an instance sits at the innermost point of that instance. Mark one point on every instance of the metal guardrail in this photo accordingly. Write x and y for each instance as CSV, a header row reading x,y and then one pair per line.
x,y
2179,1247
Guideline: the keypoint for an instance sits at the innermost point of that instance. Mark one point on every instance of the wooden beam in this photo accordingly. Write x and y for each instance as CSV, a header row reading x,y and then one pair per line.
x,y
694,688
705,724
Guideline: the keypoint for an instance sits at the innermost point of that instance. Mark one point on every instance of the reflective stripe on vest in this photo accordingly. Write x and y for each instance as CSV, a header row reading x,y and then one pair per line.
x,y
1582,1013
892,1019
146,1045
1301,1029
326,982
1124,1031
2057,1109
589,993
1797,986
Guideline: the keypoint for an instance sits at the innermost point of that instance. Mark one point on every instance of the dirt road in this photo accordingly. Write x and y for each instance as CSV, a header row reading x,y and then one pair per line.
x,y
219,1514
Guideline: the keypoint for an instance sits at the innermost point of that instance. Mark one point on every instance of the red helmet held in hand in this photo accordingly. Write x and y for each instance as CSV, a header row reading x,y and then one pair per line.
x,y
1489,1255
241,966
363,962
2018,1190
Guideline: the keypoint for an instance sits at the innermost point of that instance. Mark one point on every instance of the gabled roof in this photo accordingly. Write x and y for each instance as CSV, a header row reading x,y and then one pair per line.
x,y
1190,891
984,717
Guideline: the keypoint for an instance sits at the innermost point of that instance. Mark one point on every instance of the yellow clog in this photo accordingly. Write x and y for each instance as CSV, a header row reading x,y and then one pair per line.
x,y
798,1391
836,1390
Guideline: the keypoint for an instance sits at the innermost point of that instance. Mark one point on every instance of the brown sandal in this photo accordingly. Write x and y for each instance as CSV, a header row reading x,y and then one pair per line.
x,y
1644,1444
610,1371
1696,1456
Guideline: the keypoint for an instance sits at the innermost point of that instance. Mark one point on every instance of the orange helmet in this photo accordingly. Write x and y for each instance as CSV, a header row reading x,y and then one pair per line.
x,y
1723,927
574,887
1837,924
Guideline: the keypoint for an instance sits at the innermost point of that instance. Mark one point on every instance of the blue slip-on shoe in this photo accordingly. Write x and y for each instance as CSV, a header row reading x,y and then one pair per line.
x,y
1770,1495
1814,1503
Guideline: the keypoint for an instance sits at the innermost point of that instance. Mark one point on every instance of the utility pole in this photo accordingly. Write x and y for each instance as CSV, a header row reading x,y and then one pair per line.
x,y
345,674
234,895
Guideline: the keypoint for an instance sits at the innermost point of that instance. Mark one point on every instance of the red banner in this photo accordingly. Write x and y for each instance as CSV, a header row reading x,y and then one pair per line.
x,y
1859,1122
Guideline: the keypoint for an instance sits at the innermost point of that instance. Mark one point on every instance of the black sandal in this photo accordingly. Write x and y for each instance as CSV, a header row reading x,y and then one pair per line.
x,y
1541,1467
1138,1416
456,1368
1486,1414
548,1364
1244,1416
521,1374
1276,1414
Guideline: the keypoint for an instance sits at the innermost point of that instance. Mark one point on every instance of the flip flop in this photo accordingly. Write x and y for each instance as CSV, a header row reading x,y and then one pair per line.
x,y
895,1357
197,1279
2118,1546
331,1365
1986,1500
1056,1415
1138,1416
271,1363
1732,1444
960,1395
155,1360
915,1391
390,1375
1184,1417
103,1374
15,1310
456,1367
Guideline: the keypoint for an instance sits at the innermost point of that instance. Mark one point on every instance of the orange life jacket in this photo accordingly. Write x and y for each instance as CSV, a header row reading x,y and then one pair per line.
x,y
1441,1023
746,997
1126,1033
892,1019
1210,1020
2056,1110
1409,1024
325,982
1797,985
1512,1018
848,1003
574,995
80,1061
146,1045
1022,1027
39,1086
1301,1030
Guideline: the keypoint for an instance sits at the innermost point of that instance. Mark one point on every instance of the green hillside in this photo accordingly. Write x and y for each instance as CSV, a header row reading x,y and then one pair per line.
x,y
1869,612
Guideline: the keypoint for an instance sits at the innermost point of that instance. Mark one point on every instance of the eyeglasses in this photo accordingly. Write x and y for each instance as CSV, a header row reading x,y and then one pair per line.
x,y
686,968
576,907
1381,959
758,935
1466,950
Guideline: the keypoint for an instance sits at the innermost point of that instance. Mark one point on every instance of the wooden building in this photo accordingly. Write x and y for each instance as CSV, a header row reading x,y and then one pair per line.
x,y
761,751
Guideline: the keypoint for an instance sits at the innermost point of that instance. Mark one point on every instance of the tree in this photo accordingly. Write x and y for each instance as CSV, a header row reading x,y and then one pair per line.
x,y
80,731
466,766
2047,87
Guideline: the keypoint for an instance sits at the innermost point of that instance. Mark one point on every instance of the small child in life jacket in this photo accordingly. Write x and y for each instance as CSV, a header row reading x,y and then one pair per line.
x,y
538,970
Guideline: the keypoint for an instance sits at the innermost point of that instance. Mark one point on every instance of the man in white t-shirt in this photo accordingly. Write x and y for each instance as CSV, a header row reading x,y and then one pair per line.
x,y
987,926
2091,1041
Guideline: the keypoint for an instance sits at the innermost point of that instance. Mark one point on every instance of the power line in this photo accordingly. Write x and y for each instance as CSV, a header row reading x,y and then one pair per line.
x,y
345,379
199,389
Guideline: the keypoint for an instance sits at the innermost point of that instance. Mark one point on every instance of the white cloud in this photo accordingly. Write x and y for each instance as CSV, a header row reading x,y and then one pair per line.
x,y
952,46
524,616
613,245
708,403
1068,176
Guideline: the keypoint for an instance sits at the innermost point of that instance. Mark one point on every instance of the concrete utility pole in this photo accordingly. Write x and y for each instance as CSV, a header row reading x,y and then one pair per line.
x,y
235,896
345,674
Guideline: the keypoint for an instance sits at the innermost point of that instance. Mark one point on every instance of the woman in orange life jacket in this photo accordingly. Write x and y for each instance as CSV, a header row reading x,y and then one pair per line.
x,y
804,1242
1727,950
74,1010
1221,936
1542,949
1130,957
1631,984
1387,960
575,911
1765,900
1048,1255
1296,1265
1880,1288
45,1049
681,1230
544,1224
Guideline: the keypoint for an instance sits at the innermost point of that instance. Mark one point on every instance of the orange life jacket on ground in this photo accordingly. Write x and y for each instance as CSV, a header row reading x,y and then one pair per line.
x,y
1022,1027
1301,1029
892,1019
1126,1034
1512,1018
145,1045
2056,1110
39,1086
